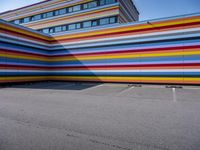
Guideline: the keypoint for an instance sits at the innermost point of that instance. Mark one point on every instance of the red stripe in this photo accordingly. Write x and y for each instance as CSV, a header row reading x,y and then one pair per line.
x,y
133,31
27,36
131,50
19,52
121,66
7,66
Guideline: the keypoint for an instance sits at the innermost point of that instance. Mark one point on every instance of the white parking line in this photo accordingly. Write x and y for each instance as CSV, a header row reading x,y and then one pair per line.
x,y
93,87
125,90
174,94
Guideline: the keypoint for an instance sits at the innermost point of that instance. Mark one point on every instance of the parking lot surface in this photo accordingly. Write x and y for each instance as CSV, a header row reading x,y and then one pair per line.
x,y
92,116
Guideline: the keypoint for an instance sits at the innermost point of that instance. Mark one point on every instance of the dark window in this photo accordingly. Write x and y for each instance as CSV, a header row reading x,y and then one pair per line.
x,y
87,24
58,29
92,4
44,15
72,26
62,11
113,20
85,6
17,21
110,1
56,12
78,25
49,14
45,30
94,23
32,18
51,30
36,17
27,19
104,2
104,21
70,9
77,8
64,28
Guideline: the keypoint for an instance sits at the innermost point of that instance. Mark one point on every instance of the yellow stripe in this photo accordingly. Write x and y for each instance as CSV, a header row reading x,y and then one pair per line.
x,y
130,28
127,56
78,58
11,28
126,78
101,77
23,57
115,78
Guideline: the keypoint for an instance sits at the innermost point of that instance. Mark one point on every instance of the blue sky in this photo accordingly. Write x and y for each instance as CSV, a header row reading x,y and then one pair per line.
x,y
149,9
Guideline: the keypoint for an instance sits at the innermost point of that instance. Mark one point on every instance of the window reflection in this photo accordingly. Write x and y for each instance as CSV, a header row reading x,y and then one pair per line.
x,y
79,25
66,10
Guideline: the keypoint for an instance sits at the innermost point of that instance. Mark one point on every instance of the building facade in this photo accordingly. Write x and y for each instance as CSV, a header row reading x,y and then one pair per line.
x,y
97,41
164,51
52,16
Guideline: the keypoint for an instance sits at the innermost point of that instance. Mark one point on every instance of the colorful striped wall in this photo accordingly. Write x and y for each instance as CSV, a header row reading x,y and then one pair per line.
x,y
164,51
23,54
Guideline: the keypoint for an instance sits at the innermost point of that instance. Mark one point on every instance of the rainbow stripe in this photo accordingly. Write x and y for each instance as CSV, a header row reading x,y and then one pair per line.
x,y
165,51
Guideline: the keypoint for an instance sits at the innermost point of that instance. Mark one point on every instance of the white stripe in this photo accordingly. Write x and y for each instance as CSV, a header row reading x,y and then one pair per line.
x,y
131,39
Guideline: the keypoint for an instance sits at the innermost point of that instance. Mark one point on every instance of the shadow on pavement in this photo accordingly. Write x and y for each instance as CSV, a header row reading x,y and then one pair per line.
x,y
54,85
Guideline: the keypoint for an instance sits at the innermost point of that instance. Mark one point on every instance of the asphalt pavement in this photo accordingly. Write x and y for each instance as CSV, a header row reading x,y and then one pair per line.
x,y
91,116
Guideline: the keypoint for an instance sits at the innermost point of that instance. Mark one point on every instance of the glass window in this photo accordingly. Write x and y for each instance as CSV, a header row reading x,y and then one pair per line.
x,y
58,29
62,11
45,30
32,18
49,14
110,1
37,17
102,2
87,24
77,8
70,9
27,19
17,21
51,30
94,23
64,28
92,4
104,21
44,15
78,26
112,20
56,12
72,26
85,6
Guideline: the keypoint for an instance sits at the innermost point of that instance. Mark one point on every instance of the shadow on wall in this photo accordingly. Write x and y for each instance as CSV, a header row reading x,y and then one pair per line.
x,y
166,55
20,63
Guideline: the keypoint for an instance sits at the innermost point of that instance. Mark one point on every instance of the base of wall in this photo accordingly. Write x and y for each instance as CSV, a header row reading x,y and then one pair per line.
x,y
136,84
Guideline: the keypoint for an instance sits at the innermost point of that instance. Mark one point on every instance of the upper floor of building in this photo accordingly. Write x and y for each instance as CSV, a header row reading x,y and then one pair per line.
x,y
60,15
